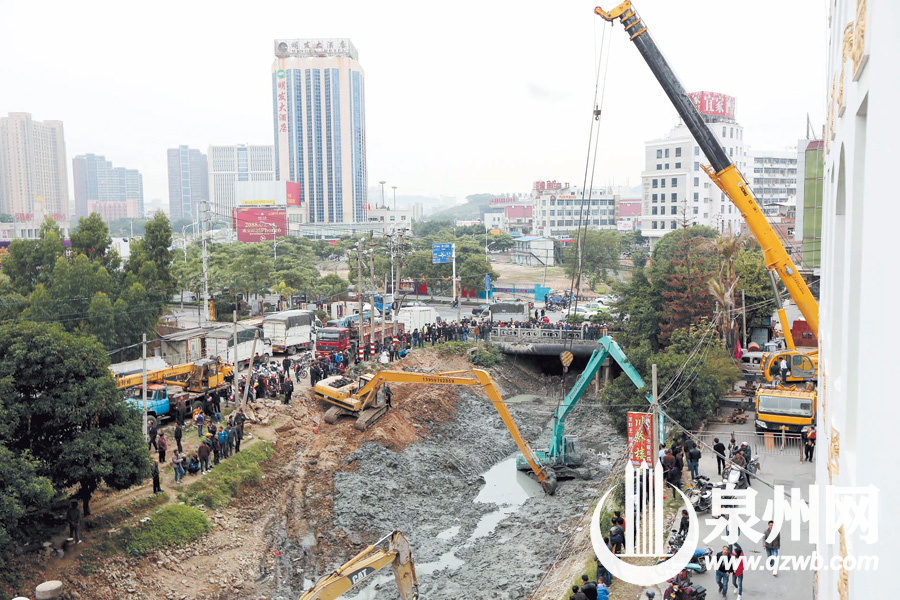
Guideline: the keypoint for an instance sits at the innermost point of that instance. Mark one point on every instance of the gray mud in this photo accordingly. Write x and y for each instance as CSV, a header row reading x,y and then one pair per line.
x,y
474,532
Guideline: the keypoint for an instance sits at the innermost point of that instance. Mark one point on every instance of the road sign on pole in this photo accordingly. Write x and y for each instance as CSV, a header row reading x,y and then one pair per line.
x,y
487,283
441,254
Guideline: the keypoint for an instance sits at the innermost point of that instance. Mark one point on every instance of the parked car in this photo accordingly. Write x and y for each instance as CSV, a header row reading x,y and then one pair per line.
x,y
481,309
580,310
412,303
596,306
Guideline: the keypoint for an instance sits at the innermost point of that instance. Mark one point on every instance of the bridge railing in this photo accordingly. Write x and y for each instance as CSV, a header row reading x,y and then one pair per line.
x,y
544,336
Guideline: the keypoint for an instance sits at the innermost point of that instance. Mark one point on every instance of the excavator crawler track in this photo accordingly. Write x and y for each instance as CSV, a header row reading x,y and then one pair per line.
x,y
334,413
369,416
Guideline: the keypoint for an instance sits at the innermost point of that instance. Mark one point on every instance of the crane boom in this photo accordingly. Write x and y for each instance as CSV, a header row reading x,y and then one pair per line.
x,y
608,347
722,170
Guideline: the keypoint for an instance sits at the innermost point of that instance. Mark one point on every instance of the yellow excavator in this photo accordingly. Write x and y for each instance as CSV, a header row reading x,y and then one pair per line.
x,y
362,399
778,408
392,549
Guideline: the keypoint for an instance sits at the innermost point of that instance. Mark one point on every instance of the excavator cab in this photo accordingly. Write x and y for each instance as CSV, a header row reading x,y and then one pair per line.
x,y
204,375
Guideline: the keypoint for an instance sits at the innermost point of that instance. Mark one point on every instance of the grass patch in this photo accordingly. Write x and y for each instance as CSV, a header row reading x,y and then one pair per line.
x,y
140,505
219,486
170,526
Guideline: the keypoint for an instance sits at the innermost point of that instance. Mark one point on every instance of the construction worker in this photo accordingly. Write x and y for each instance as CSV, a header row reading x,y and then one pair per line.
x,y
388,394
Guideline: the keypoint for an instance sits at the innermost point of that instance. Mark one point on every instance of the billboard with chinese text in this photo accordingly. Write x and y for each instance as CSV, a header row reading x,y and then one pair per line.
x,y
293,193
640,438
713,103
260,224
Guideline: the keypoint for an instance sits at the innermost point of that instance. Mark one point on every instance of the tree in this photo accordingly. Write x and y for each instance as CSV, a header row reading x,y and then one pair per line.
x,y
74,286
680,272
696,365
91,237
601,253
723,285
102,321
156,248
32,261
61,404
754,282
332,287
23,490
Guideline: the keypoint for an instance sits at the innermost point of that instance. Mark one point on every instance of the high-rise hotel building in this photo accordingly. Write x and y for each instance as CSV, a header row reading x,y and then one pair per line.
x,y
318,103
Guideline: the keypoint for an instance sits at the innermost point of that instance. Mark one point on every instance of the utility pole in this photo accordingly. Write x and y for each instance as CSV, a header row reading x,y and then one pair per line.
x,y
205,312
250,369
359,293
234,380
744,316
372,296
144,379
654,413
453,279
397,283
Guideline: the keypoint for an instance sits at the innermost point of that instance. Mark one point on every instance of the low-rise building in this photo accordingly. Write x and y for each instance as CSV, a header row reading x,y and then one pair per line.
x,y
534,251
559,211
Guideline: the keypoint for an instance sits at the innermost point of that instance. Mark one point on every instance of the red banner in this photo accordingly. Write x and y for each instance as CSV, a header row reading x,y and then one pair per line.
x,y
293,193
713,103
640,438
260,224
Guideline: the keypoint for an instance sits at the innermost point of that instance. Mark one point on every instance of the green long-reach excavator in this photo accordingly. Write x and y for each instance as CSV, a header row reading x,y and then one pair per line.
x,y
564,455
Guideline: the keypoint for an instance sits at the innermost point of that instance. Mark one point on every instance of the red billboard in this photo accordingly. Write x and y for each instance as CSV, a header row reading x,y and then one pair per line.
x,y
640,438
260,224
713,103
293,193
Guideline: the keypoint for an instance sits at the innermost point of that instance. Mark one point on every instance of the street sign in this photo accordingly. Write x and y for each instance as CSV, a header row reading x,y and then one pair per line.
x,y
640,437
566,358
441,254
487,283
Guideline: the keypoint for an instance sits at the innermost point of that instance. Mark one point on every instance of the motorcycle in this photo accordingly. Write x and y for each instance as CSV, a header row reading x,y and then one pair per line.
x,y
701,495
701,559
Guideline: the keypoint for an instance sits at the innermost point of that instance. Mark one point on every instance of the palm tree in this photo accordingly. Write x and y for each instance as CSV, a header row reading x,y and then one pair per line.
x,y
722,288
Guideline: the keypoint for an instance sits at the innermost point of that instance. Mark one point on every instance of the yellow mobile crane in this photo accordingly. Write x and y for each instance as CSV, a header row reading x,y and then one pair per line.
x,y
777,409
365,564
360,399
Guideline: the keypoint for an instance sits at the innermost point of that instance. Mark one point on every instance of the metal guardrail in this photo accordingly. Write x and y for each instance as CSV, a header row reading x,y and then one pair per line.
x,y
544,336
760,443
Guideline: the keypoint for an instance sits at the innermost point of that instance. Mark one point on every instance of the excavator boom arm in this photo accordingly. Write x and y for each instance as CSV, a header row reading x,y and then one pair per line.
x,y
367,563
481,378
608,348
722,171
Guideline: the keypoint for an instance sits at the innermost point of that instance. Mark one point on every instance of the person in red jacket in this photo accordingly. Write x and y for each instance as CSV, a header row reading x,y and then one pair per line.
x,y
737,577
162,446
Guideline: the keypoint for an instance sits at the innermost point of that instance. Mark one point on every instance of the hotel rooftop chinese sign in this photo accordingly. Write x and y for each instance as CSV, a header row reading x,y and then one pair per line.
x,y
308,48
713,104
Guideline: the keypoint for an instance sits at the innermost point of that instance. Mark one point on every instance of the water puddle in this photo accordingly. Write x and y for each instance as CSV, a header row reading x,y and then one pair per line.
x,y
447,561
488,522
505,485
449,534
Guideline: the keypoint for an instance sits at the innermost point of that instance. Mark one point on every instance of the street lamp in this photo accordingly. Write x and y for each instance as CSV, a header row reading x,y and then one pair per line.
x,y
382,192
274,243
184,238
394,187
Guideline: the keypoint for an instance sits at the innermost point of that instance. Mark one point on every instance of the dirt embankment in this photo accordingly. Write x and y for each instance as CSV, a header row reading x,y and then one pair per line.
x,y
332,490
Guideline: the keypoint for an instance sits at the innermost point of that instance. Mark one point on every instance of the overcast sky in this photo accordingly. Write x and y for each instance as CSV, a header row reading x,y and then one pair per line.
x,y
461,97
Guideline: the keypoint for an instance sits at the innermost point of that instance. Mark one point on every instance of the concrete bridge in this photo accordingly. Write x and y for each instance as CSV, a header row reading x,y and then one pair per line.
x,y
542,342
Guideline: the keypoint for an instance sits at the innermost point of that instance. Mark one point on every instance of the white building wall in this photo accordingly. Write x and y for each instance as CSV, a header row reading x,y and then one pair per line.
x,y
772,175
674,164
557,213
230,164
856,445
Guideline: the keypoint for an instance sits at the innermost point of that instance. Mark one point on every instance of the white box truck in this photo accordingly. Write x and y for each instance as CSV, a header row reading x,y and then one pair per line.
x,y
416,317
291,330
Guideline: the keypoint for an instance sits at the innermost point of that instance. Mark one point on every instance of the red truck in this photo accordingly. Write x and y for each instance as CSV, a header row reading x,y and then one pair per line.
x,y
338,339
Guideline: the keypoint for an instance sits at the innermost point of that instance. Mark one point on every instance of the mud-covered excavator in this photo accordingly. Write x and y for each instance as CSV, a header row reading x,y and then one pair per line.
x,y
392,549
361,399
564,455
